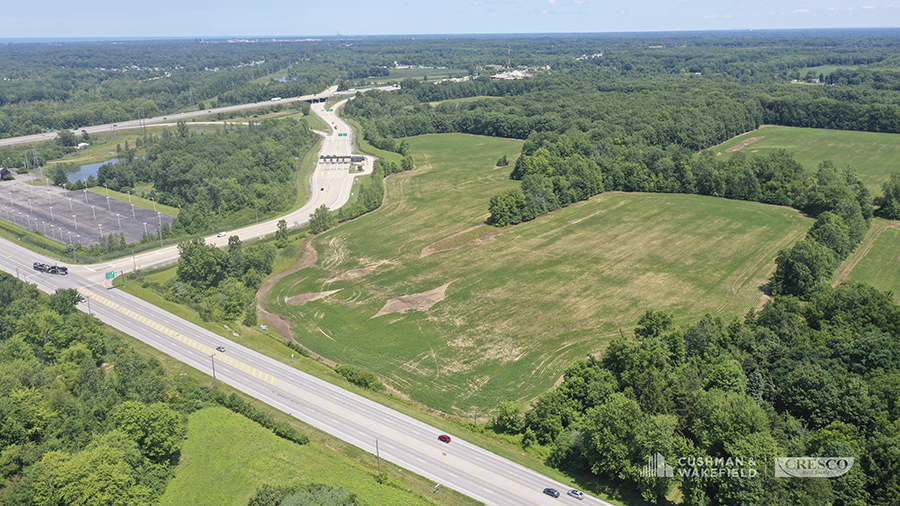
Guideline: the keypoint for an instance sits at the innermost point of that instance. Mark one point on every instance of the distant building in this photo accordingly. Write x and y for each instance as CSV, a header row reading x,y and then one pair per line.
x,y
508,76
82,145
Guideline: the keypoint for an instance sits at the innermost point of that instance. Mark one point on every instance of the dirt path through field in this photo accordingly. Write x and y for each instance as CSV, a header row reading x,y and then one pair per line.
x,y
743,144
862,254
281,323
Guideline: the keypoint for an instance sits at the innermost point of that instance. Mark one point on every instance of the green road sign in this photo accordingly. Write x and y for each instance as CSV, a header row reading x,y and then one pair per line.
x,y
330,110
111,275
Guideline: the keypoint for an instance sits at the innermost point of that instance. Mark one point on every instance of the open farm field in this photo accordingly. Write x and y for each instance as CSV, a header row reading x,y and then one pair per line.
x,y
823,69
225,458
461,326
873,155
879,266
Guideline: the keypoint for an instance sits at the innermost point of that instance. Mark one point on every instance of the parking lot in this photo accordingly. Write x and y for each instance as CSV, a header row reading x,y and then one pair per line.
x,y
76,216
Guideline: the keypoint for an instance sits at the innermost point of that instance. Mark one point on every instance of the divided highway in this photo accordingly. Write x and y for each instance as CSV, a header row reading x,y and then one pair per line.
x,y
401,439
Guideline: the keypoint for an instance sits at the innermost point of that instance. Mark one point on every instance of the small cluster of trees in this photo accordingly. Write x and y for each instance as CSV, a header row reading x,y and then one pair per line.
x,y
359,377
222,283
813,379
889,201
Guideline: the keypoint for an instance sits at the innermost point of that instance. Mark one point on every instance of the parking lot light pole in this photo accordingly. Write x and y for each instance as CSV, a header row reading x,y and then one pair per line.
x,y
132,212
119,219
51,214
75,217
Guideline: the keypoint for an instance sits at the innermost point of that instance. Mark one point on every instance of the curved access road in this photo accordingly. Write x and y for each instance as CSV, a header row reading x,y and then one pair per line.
x,y
329,185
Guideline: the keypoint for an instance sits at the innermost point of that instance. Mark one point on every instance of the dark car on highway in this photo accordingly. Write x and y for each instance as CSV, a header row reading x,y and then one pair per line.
x,y
552,492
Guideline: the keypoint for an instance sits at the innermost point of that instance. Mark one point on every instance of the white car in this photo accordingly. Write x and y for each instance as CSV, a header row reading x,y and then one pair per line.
x,y
577,494
221,234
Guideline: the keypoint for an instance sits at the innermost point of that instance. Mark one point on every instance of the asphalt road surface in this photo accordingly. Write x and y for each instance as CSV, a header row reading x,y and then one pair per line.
x,y
407,442
47,136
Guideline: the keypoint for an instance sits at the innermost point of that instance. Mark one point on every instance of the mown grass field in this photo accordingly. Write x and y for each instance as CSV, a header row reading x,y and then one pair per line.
x,y
873,155
879,266
521,307
226,457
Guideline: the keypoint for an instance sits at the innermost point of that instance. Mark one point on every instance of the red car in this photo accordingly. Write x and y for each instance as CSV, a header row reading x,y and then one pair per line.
x,y
445,438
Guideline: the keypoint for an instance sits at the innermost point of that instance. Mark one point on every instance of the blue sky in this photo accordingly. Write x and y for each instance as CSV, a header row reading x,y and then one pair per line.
x,y
225,18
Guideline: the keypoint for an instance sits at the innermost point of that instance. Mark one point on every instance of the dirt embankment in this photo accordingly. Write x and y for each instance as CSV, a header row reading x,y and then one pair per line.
x,y
281,323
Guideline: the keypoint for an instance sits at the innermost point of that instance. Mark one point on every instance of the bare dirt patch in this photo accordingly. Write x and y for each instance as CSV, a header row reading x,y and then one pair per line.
x,y
356,273
303,298
414,302
450,243
744,144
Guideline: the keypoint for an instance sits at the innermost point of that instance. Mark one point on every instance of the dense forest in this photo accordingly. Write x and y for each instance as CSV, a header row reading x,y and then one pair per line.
x,y
84,419
816,379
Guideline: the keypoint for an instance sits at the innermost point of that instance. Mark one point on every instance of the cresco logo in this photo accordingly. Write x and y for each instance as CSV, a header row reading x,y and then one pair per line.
x,y
812,467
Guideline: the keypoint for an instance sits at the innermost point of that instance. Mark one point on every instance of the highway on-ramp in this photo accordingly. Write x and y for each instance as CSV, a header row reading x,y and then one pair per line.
x,y
407,442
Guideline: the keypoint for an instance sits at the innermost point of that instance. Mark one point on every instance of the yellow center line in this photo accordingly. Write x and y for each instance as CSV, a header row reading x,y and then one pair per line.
x,y
175,335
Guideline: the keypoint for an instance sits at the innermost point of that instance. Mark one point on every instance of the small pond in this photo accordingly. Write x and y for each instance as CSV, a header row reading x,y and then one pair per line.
x,y
86,171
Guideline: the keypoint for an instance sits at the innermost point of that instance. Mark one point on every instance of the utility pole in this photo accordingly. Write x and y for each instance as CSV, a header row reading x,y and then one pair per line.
x,y
212,359
378,456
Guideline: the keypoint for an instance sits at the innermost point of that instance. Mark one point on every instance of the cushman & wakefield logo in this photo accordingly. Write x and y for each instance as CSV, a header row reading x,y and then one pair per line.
x,y
700,467
812,467
733,467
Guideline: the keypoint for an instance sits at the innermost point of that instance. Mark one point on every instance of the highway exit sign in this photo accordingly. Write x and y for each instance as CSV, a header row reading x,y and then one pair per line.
x,y
110,274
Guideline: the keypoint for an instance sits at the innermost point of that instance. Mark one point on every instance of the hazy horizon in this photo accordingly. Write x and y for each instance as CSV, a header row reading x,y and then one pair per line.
x,y
54,20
